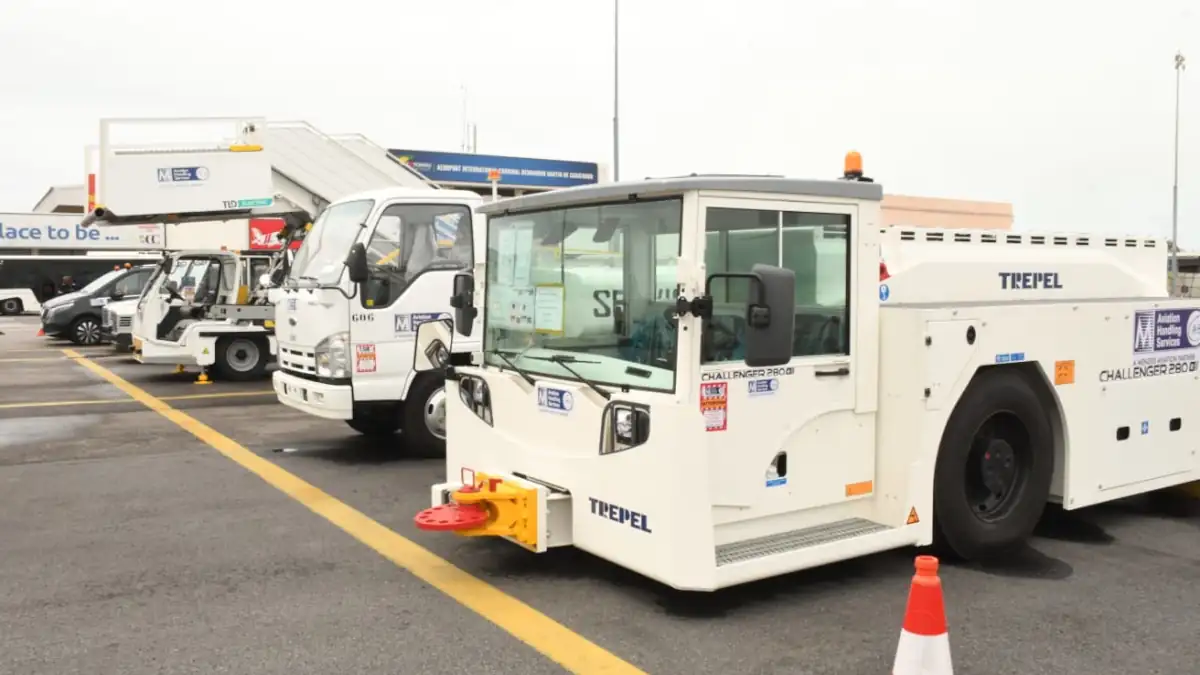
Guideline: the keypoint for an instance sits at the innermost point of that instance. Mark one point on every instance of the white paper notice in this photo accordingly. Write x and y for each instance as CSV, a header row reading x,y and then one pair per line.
x,y
506,256
522,256
548,309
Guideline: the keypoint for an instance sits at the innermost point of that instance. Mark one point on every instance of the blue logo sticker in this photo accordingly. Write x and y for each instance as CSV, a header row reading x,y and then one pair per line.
x,y
1012,357
620,514
776,482
559,401
407,323
763,387
884,292
183,174
1165,330
1145,428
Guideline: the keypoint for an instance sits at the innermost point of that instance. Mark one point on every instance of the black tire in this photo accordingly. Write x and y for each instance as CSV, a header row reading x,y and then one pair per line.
x,y
11,306
241,358
85,331
375,422
421,437
994,468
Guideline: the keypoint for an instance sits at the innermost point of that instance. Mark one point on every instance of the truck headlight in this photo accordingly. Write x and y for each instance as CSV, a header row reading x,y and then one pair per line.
x,y
474,393
332,356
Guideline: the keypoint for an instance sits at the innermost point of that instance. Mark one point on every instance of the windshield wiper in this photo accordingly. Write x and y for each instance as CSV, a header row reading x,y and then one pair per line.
x,y
563,359
512,365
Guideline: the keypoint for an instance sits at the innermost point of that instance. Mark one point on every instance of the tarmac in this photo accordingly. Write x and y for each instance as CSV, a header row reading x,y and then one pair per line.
x,y
152,525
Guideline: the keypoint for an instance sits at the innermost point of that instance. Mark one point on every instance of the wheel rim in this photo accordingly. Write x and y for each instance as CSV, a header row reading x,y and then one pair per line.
x,y
435,413
10,306
998,466
88,332
242,355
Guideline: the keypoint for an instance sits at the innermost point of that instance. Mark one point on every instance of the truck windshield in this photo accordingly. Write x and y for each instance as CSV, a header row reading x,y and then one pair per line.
x,y
591,287
323,254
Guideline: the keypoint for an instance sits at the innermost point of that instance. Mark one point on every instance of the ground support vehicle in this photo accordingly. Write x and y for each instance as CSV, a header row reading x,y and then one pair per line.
x,y
207,308
116,323
374,267
76,316
237,177
820,389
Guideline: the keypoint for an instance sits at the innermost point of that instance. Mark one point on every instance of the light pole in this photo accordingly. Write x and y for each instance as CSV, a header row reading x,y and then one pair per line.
x,y
616,89
1179,67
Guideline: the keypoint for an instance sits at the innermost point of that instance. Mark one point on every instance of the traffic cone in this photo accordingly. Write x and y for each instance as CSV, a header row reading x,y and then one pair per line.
x,y
41,332
924,647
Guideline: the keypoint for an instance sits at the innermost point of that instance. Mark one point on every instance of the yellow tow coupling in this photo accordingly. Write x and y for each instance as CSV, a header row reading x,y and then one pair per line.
x,y
491,507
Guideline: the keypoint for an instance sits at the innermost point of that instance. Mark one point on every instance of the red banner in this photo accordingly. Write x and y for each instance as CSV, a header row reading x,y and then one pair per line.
x,y
265,234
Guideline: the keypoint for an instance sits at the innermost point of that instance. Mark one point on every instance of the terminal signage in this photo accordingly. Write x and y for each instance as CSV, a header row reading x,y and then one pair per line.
x,y
51,231
453,167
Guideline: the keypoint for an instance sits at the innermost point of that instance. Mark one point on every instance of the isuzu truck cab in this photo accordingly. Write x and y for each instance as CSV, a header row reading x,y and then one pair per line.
x,y
818,388
372,269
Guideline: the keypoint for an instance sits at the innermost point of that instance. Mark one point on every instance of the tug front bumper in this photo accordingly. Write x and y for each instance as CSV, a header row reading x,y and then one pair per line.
x,y
529,514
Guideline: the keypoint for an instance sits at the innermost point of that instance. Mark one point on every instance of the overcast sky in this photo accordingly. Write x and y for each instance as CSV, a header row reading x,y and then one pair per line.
x,y
1063,108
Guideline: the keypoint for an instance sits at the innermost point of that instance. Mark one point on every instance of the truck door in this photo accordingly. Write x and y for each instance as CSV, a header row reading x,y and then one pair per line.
x,y
412,256
786,435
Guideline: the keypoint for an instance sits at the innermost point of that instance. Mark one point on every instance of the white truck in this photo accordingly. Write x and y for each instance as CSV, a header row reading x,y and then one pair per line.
x,y
822,388
373,268
207,308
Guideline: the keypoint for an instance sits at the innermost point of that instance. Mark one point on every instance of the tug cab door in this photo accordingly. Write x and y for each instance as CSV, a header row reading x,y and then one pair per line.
x,y
787,437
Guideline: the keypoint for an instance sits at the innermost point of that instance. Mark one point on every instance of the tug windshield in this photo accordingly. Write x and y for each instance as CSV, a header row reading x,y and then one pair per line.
x,y
585,293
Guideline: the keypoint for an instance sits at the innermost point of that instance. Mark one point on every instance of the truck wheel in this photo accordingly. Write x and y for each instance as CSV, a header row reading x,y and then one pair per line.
x,y
425,416
994,468
375,422
11,306
85,331
239,359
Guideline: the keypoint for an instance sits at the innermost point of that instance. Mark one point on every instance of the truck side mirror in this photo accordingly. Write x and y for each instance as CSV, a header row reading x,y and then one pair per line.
x,y
356,262
771,318
463,302
770,314
432,348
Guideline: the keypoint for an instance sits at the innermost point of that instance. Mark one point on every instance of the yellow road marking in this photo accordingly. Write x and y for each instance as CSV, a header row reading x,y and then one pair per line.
x,y
186,397
557,642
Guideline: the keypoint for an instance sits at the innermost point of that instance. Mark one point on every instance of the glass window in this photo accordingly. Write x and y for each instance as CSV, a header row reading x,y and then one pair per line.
x,y
322,257
131,284
410,239
815,246
591,286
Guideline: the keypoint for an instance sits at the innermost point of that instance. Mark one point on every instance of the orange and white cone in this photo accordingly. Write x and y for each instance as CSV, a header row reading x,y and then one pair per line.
x,y
924,647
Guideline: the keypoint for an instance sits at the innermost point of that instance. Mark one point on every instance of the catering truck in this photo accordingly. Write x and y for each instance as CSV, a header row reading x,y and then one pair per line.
x,y
374,267
821,387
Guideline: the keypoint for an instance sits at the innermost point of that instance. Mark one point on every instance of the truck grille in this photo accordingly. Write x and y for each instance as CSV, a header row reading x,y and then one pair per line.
x,y
125,322
299,361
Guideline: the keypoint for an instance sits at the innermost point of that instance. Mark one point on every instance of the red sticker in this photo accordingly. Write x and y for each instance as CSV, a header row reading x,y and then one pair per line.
x,y
364,358
714,405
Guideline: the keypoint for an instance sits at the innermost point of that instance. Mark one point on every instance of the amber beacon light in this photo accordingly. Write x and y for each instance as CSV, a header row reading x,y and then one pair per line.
x,y
854,168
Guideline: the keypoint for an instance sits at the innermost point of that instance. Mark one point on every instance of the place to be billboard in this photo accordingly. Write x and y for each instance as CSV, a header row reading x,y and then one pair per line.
x,y
62,231
453,167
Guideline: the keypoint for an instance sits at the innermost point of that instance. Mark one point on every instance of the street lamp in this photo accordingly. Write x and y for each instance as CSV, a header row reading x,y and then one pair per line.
x,y
616,89
1179,68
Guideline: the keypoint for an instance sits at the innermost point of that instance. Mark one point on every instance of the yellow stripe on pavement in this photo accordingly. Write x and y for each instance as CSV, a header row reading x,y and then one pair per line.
x,y
557,642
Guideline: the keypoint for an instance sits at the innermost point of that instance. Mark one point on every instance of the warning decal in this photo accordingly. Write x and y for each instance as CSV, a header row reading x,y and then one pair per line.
x,y
912,517
364,358
714,405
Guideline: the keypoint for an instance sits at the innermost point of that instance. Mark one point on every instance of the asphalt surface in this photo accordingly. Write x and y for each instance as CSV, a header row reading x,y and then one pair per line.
x,y
129,546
